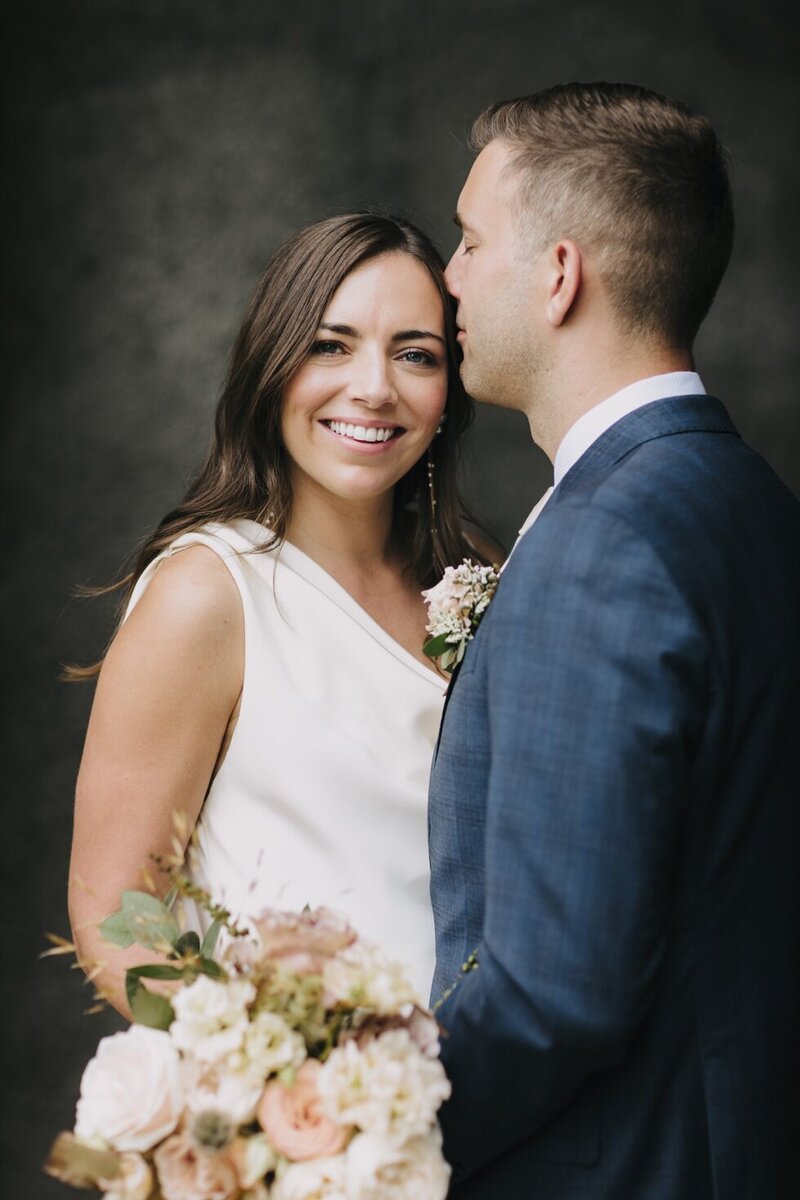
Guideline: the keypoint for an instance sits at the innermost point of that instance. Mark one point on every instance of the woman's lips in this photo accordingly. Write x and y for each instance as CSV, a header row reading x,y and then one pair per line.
x,y
356,445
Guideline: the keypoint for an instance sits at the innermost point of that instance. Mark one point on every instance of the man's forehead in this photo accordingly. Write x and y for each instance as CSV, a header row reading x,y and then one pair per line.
x,y
486,183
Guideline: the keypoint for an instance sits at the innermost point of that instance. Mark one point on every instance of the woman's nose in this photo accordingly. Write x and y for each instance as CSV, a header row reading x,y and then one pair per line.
x,y
371,383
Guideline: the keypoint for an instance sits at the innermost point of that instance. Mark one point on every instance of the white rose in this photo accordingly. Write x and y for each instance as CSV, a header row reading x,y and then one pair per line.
x,y
386,1086
269,1045
130,1091
215,1086
211,1017
378,1168
362,975
388,987
319,1179
134,1182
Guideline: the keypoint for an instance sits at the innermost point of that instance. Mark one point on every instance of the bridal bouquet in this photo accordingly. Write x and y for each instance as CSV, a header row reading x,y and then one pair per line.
x,y
295,1064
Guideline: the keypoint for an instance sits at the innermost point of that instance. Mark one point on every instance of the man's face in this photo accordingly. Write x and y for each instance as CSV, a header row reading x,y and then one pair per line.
x,y
492,278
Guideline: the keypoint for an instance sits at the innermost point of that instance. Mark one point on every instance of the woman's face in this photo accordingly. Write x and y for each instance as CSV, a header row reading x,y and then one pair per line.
x,y
366,403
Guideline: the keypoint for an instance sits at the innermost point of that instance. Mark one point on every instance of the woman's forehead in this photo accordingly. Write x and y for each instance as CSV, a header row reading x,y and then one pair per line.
x,y
393,287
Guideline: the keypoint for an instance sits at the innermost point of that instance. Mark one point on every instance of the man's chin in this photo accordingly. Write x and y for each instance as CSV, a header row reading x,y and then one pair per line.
x,y
481,389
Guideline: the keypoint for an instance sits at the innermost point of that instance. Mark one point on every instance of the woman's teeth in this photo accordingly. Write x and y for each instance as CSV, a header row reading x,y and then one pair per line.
x,y
362,433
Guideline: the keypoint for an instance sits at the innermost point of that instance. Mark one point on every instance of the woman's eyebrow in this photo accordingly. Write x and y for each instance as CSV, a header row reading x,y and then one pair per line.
x,y
413,335
345,330
405,335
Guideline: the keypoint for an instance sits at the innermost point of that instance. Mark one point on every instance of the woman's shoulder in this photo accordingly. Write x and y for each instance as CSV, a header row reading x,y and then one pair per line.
x,y
201,566
181,645
190,592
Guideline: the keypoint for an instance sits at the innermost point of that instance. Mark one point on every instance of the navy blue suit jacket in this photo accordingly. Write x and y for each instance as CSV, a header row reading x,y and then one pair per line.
x,y
614,826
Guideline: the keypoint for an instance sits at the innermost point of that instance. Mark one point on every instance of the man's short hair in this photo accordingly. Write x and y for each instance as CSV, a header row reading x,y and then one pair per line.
x,y
634,177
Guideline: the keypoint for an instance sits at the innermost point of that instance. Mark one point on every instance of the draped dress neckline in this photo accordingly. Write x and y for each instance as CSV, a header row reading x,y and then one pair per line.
x,y
315,575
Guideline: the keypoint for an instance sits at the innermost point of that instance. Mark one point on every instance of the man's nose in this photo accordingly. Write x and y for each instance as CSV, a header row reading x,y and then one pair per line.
x,y
452,275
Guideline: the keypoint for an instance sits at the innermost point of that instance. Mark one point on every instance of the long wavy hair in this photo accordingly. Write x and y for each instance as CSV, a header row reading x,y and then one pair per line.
x,y
246,470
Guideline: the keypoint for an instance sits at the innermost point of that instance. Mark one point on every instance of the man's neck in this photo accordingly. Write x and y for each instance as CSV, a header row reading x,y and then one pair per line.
x,y
581,389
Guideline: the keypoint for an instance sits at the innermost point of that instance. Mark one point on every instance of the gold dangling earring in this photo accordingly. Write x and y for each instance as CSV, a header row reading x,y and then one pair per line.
x,y
432,493
437,547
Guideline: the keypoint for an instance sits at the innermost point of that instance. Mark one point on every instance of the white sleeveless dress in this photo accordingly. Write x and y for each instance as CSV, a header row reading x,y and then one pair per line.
x,y
322,795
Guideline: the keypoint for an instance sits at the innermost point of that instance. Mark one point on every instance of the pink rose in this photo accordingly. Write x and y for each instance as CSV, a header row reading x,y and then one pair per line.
x,y
294,1120
303,942
187,1172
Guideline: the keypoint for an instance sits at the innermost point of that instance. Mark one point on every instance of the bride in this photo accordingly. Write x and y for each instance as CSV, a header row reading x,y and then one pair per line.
x,y
268,680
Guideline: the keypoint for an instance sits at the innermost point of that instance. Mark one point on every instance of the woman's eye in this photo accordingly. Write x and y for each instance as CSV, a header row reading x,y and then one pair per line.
x,y
327,348
467,249
418,358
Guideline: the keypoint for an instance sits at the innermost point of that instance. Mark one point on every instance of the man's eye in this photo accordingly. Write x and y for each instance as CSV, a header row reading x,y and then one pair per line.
x,y
327,348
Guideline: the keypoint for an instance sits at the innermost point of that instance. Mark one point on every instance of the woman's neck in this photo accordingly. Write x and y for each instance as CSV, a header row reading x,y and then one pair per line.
x,y
338,532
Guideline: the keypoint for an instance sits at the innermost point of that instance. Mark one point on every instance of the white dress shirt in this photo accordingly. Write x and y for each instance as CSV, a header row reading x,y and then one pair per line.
x,y
588,428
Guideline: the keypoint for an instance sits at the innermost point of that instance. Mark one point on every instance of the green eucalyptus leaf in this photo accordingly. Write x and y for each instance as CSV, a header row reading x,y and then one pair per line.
x,y
188,943
212,969
132,986
148,1008
150,921
452,657
155,971
210,940
436,646
116,929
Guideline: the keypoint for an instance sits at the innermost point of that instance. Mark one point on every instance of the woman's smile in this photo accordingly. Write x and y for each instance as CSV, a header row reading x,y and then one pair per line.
x,y
363,436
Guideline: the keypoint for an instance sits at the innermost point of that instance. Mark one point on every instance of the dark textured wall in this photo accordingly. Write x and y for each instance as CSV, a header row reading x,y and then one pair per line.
x,y
157,151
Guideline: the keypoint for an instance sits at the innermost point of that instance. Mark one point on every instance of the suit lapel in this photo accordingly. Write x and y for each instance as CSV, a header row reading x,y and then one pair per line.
x,y
660,418
448,694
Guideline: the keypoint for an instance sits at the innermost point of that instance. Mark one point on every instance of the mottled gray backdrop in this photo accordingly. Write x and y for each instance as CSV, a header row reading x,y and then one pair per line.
x,y
157,152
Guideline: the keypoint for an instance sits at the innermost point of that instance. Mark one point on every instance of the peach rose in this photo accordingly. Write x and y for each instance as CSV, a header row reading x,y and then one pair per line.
x,y
302,942
294,1121
187,1172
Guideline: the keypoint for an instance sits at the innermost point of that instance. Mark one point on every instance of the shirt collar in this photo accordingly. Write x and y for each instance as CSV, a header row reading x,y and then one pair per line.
x,y
588,428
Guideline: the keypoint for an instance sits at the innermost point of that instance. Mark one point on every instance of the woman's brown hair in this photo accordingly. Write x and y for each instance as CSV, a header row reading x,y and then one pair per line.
x,y
246,470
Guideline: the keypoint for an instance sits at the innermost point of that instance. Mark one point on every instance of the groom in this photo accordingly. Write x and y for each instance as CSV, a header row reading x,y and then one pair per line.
x,y
615,800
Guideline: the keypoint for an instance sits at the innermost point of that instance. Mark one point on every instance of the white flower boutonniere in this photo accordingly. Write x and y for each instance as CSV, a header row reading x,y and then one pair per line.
x,y
455,608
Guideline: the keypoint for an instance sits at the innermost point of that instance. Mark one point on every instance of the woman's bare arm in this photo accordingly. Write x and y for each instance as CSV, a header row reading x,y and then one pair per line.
x,y
165,695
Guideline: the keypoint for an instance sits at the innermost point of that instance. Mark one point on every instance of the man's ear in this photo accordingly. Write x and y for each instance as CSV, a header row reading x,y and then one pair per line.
x,y
563,275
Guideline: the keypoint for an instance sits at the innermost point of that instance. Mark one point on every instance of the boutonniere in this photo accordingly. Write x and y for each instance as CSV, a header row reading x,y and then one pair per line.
x,y
455,609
